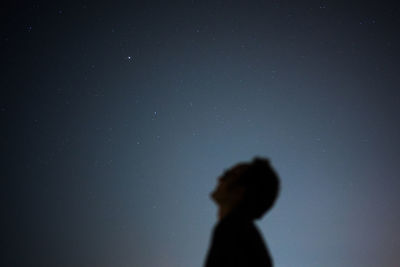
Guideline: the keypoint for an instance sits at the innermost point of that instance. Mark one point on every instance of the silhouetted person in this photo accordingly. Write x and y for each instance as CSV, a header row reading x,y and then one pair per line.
x,y
244,193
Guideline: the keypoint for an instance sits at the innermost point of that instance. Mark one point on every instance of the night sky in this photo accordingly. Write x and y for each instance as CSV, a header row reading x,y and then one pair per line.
x,y
117,119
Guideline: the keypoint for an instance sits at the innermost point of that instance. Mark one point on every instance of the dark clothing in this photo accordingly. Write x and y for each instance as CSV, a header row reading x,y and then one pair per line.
x,y
236,242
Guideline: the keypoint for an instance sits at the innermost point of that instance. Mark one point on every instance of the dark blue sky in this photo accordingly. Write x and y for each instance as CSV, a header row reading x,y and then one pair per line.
x,y
117,118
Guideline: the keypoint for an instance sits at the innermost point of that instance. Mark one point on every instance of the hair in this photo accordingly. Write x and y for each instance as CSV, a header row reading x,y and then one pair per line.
x,y
262,187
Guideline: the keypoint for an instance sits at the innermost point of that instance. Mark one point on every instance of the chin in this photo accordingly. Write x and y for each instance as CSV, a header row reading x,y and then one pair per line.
x,y
214,197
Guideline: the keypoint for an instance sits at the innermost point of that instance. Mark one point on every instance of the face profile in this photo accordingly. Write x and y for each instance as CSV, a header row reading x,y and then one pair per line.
x,y
253,187
228,191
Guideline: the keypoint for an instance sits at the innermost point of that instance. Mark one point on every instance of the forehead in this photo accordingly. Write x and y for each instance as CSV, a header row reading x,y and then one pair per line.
x,y
237,169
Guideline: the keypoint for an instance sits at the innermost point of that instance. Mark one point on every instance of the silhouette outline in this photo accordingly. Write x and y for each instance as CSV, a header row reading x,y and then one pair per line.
x,y
244,193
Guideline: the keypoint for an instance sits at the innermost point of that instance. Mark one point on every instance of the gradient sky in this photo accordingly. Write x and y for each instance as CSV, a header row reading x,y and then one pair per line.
x,y
117,119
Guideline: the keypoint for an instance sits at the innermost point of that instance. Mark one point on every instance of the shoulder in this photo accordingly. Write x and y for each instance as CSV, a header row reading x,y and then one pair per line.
x,y
237,243
238,235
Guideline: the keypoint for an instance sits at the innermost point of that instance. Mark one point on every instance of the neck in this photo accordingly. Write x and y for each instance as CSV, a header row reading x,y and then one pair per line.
x,y
240,211
223,211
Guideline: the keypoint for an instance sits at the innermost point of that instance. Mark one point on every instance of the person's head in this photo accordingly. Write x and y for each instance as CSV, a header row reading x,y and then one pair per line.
x,y
253,187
